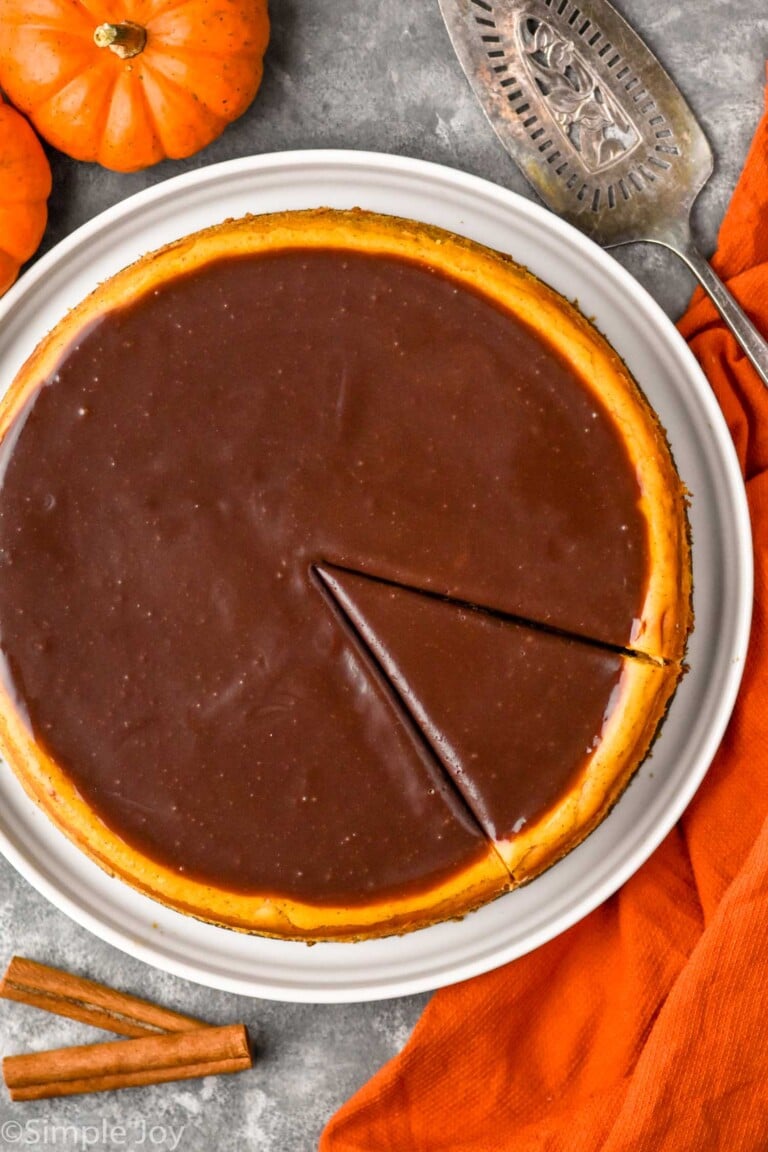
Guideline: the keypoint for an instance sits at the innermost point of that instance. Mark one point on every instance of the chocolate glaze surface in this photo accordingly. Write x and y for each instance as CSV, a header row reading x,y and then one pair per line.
x,y
172,485
512,712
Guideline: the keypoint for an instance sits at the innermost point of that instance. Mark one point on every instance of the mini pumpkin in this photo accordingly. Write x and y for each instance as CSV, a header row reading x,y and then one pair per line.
x,y
25,185
131,82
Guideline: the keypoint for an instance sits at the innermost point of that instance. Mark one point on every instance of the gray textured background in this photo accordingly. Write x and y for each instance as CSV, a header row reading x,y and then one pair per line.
x,y
379,75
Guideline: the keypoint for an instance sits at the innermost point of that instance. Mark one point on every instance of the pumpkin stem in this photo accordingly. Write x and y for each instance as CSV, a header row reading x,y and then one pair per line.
x,y
125,40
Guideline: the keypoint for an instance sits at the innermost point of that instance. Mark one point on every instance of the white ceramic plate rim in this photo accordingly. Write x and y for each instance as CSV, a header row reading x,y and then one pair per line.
x,y
446,953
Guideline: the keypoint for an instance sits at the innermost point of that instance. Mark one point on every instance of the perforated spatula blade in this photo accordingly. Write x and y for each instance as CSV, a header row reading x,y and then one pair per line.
x,y
596,125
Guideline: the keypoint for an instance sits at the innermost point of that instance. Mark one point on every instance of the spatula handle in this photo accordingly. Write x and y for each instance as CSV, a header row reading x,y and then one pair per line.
x,y
752,343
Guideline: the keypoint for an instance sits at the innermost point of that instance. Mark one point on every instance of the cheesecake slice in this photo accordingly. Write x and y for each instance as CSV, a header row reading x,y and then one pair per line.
x,y
539,732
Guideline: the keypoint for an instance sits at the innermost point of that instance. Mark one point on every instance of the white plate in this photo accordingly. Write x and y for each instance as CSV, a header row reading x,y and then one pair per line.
x,y
671,379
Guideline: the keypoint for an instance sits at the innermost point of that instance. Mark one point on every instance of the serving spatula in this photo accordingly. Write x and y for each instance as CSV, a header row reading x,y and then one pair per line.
x,y
596,125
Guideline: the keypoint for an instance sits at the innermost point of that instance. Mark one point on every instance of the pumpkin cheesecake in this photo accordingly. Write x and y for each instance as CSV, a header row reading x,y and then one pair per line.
x,y
214,465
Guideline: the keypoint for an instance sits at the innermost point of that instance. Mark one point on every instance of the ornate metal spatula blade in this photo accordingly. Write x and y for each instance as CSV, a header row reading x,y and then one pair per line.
x,y
588,113
596,124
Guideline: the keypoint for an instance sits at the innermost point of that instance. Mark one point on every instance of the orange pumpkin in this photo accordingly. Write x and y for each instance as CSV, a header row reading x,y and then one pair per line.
x,y
25,185
131,82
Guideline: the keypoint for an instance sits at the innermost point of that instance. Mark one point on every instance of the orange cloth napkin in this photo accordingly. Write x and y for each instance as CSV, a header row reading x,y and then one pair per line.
x,y
645,1027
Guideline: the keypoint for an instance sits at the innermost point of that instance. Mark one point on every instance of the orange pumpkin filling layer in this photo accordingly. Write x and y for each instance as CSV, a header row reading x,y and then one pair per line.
x,y
344,575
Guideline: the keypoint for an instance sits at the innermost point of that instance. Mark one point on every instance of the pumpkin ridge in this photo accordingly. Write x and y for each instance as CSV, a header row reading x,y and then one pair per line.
x,y
48,20
93,11
161,76
135,90
106,109
161,9
250,30
29,98
87,15
52,88
244,53
100,119
186,94
47,26
156,126
61,35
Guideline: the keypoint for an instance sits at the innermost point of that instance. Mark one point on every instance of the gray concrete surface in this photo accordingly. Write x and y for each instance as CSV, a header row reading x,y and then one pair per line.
x,y
380,75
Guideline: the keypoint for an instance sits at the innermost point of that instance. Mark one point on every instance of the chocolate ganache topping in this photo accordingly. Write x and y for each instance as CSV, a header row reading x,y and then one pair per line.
x,y
169,490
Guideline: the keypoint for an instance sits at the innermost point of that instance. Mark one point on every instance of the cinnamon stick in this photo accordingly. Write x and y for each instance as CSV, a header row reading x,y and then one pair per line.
x,y
127,1063
79,999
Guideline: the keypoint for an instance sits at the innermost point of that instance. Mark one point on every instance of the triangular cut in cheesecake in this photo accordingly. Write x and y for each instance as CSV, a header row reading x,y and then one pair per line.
x,y
539,732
